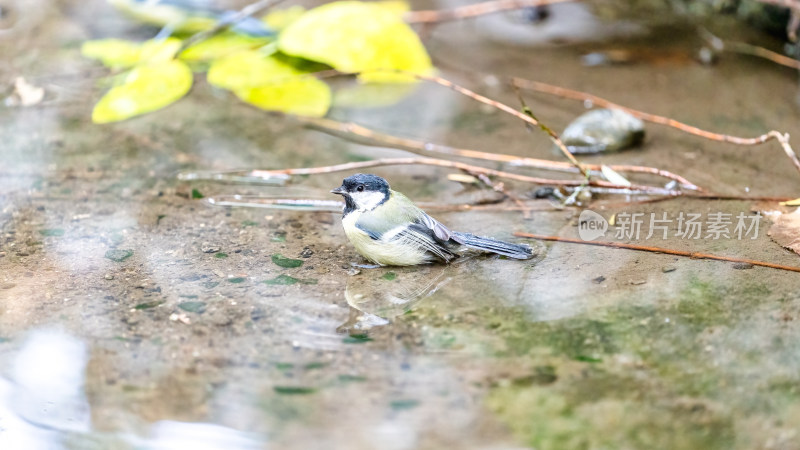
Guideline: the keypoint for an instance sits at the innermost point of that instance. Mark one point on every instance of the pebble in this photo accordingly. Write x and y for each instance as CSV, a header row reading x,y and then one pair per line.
x,y
603,130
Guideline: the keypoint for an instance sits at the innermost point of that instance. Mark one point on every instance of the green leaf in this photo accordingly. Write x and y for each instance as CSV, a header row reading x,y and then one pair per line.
x,y
271,84
146,89
285,262
196,194
220,255
236,280
119,53
220,46
353,36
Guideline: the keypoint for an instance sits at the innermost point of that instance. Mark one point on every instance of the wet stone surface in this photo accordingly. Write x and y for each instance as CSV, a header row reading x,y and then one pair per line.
x,y
157,317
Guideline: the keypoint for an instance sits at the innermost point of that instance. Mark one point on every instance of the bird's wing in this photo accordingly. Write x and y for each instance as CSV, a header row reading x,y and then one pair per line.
x,y
406,221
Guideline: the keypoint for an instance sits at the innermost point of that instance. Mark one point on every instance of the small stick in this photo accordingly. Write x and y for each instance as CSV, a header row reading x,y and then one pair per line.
x,y
643,248
505,108
782,138
460,166
748,49
351,128
500,187
478,9
223,25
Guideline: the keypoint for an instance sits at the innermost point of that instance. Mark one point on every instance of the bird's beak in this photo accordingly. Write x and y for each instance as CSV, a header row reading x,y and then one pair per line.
x,y
339,190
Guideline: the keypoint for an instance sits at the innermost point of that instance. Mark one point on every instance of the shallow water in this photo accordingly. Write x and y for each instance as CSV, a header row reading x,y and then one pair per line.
x,y
135,315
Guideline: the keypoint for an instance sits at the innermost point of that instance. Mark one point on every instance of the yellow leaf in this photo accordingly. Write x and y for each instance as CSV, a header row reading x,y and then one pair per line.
x,y
300,96
795,202
159,51
279,19
221,45
248,69
271,84
118,53
352,36
146,88
114,53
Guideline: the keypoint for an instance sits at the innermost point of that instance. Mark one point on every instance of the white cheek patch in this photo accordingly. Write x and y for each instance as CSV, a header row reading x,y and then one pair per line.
x,y
366,201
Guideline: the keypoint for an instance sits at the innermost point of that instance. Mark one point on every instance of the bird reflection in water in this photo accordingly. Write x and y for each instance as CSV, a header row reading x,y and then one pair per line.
x,y
377,296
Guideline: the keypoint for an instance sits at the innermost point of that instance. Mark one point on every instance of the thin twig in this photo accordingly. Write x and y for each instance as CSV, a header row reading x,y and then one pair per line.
x,y
226,23
643,248
782,138
505,108
456,165
719,44
501,188
422,147
478,9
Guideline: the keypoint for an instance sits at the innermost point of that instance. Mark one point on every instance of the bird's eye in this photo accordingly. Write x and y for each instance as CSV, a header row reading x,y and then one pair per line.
x,y
360,188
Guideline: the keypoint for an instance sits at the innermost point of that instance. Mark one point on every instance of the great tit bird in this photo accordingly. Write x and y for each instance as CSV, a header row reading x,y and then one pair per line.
x,y
388,229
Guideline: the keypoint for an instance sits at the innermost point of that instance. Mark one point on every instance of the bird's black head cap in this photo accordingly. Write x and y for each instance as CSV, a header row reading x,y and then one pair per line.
x,y
358,184
365,182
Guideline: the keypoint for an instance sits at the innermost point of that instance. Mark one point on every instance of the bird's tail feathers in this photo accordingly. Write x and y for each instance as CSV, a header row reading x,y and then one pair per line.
x,y
516,251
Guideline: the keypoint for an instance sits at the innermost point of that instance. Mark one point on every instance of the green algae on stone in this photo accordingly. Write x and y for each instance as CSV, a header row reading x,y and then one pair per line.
x,y
148,305
285,262
356,339
400,405
195,307
117,255
389,276
52,232
220,255
286,280
347,378
236,280
294,390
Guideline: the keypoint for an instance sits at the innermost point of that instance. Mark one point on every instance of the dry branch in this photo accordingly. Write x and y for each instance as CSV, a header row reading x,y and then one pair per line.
x,y
644,248
507,109
478,9
349,129
782,138
468,168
